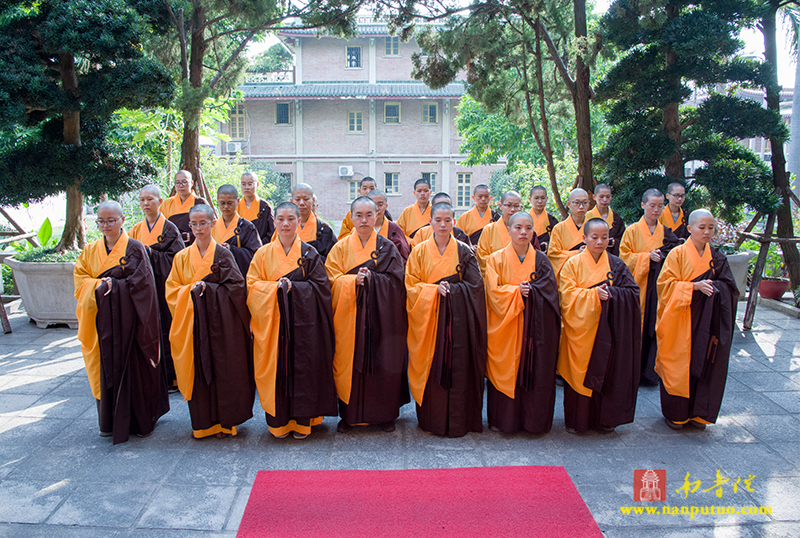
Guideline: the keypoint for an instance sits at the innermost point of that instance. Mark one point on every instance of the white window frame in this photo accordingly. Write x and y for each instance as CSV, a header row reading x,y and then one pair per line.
x,y
426,116
289,112
463,189
394,187
399,113
352,192
357,115
360,57
431,177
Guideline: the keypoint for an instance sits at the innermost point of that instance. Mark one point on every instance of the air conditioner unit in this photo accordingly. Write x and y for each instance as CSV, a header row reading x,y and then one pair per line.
x,y
345,171
234,147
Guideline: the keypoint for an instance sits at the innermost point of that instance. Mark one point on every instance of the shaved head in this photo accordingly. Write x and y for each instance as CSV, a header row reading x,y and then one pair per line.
x,y
480,186
576,193
510,194
289,206
110,205
184,173
202,209
376,194
441,197
594,223
363,200
602,187
228,189
698,214
520,215
443,206
674,185
651,193
536,188
303,187
152,189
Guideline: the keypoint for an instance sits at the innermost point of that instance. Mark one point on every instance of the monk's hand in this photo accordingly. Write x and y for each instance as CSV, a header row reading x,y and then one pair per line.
x,y
444,288
226,245
108,280
602,292
525,288
202,285
704,286
583,247
655,255
362,276
288,283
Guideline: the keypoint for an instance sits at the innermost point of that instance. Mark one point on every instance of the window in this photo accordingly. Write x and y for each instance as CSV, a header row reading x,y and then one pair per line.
x,y
355,122
287,176
283,114
391,112
392,183
353,193
430,176
353,58
430,113
238,123
392,46
464,189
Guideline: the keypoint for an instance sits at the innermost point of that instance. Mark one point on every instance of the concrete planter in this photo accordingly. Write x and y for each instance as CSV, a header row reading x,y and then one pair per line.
x,y
773,288
739,264
47,291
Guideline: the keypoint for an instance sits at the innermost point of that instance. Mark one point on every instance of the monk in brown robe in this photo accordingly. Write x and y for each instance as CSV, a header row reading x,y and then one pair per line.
x,y
523,328
162,240
697,299
311,230
673,216
118,329
417,214
385,227
643,248
566,238
495,235
426,232
233,232
254,208
290,303
543,222
365,186
176,208
447,330
600,337
602,210
480,214
210,334
369,315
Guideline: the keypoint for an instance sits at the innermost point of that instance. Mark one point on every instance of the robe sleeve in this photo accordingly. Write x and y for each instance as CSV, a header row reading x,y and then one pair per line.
x,y
347,227
344,291
145,300
86,312
637,262
484,251
422,304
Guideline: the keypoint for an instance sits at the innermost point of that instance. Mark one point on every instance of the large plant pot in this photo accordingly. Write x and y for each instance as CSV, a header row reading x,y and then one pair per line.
x,y
740,264
47,291
773,288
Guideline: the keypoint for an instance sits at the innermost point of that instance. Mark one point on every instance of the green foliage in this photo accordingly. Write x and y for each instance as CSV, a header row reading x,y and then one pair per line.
x,y
275,58
8,278
524,176
49,255
775,267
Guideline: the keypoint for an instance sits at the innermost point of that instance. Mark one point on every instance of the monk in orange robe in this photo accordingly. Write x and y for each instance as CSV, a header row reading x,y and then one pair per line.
x,y
566,238
673,216
210,333
118,329
311,230
495,235
602,210
290,305
385,227
417,214
543,222
523,328
369,316
447,330
365,186
697,298
426,232
176,208
233,232
162,240
600,337
643,248
255,209
480,214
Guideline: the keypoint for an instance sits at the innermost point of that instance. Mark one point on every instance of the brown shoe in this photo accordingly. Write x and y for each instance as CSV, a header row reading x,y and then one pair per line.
x,y
388,427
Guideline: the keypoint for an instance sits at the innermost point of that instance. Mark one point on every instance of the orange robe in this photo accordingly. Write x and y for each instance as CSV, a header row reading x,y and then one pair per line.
x,y
616,227
679,226
412,219
473,223
543,225
493,238
260,214
347,227
178,212
565,242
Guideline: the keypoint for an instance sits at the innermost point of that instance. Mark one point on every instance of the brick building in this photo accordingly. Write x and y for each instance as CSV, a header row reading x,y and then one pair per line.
x,y
350,109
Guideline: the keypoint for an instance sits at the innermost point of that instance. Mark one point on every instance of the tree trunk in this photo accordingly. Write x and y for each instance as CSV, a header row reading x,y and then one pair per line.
x,y
780,178
581,97
74,236
670,118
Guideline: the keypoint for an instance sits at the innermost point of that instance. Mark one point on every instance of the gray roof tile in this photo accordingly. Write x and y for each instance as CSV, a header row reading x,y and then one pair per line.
x,y
315,90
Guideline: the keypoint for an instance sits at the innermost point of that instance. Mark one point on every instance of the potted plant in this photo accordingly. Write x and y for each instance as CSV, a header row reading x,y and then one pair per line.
x,y
774,283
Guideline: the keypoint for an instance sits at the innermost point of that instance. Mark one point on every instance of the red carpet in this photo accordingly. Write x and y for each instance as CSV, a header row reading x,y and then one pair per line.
x,y
481,502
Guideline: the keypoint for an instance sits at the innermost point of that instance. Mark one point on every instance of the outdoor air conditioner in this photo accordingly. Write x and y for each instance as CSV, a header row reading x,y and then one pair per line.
x,y
234,147
345,171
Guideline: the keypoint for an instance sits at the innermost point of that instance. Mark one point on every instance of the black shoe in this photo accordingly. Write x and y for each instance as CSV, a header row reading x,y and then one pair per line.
x,y
173,389
674,425
343,427
696,425
606,429
143,435
388,427
573,431
106,434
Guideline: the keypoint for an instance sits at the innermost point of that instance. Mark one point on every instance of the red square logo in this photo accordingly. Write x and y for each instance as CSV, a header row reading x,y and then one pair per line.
x,y
649,485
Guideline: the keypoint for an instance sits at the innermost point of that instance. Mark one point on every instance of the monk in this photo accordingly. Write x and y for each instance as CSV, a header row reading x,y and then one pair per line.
x,y
210,334
523,326
233,232
673,216
602,210
643,248
697,298
495,235
480,214
566,239
311,230
290,306
162,240
365,186
543,222
369,315
176,208
426,232
447,330
118,329
386,227
600,338
254,208
417,214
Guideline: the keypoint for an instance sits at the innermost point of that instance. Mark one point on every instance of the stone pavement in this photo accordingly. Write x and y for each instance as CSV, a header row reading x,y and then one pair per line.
x,y
59,478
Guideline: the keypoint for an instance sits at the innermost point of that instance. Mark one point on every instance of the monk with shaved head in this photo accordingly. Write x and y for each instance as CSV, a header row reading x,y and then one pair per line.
x,y
176,208
311,230
566,238
495,236
234,232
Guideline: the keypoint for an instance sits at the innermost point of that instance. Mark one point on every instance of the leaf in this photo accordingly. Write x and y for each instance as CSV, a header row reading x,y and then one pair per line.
x,y
45,232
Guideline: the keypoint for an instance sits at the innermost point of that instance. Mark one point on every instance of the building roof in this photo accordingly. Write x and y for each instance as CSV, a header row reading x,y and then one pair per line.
x,y
323,90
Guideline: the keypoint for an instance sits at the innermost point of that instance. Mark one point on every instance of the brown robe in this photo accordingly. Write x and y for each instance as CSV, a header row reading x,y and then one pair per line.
x,y
243,244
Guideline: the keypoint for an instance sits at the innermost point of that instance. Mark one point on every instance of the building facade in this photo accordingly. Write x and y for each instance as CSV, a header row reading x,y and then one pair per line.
x,y
350,109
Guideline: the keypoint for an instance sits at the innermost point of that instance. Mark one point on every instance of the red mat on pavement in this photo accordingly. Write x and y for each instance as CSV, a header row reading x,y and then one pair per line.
x,y
482,501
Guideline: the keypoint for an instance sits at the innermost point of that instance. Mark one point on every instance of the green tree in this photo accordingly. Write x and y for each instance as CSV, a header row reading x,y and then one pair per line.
x,y
65,67
275,58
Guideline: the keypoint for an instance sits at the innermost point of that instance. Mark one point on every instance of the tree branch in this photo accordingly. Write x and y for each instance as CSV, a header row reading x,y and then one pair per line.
x,y
179,26
562,68
234,55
